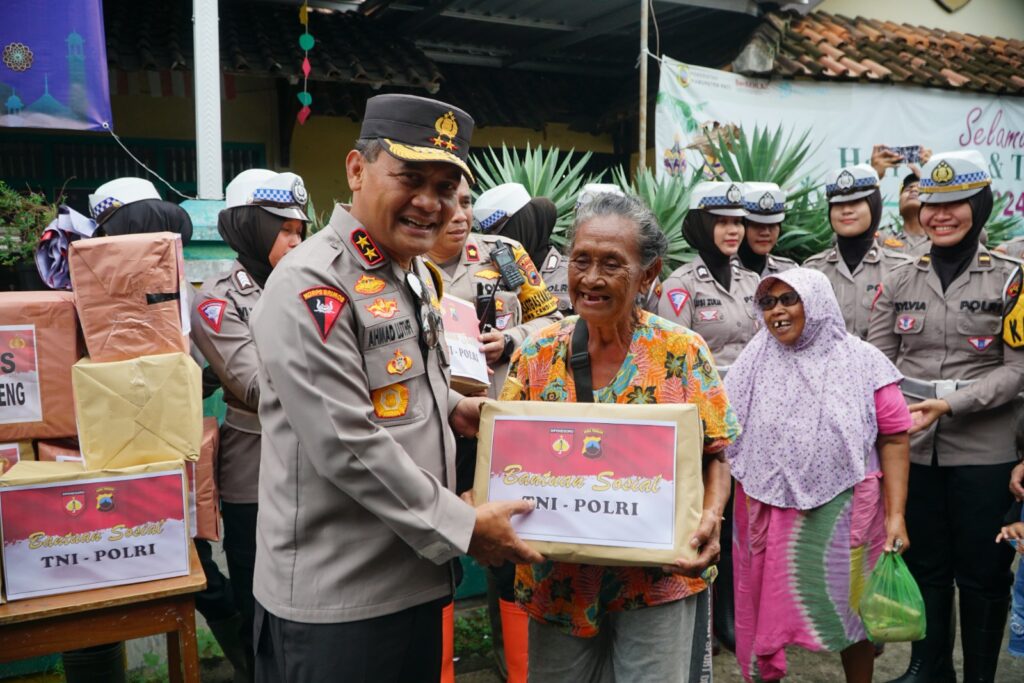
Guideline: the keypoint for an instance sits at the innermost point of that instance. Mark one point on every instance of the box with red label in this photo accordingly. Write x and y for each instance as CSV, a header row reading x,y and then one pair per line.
x,y
468,365
131,295
59,450
13,453
38,346
65,529
203,494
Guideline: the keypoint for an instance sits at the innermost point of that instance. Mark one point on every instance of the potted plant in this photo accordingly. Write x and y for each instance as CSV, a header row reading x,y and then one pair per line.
x,y
23,218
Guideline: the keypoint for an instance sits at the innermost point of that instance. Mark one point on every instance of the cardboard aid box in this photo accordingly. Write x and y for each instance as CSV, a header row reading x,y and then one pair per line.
x,y
468,365
137,411
38,346
13,453
61,450
613,484
131,295
65,529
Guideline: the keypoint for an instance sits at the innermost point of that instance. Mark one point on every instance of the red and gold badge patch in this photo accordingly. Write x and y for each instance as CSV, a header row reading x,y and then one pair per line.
x,y
472,253
324,304
383,308
212,311
390,401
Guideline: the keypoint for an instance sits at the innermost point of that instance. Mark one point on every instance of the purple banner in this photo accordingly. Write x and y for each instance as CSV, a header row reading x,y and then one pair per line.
x,y
54,68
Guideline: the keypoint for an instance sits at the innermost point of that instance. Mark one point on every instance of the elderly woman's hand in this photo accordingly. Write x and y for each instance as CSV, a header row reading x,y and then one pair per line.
x,y
706,541
896,530
925,413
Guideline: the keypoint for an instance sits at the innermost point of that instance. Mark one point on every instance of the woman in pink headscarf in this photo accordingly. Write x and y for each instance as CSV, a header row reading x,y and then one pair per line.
x,y
821,472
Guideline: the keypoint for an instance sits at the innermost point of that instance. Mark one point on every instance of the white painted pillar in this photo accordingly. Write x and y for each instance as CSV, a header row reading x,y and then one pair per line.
x,y
206,35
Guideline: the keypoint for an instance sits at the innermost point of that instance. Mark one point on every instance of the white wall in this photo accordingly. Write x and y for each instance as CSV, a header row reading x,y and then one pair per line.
x,y
999,18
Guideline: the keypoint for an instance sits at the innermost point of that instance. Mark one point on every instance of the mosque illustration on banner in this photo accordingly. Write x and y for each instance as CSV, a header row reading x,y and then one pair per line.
x,y
46,109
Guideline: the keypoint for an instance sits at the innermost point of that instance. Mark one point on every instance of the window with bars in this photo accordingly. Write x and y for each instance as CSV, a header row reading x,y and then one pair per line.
x,y
74,166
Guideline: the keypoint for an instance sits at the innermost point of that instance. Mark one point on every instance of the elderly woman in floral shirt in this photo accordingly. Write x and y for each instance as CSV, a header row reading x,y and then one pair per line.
x,y
597,623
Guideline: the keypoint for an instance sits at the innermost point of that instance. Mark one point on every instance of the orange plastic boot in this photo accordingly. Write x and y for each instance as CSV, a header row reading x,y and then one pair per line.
x,y
448,643
514,628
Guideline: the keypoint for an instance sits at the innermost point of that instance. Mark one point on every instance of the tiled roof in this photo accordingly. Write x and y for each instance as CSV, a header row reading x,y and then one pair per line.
x,y
261,39
835,47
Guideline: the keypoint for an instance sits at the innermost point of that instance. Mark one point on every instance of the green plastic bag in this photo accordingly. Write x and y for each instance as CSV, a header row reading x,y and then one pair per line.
x,y
892,607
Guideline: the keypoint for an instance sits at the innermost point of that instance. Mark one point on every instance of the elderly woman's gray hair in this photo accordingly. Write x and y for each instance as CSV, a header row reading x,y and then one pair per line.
x,y
651,241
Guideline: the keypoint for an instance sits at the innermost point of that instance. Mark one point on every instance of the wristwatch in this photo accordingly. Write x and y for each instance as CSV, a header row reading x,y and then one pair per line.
x,y
510,346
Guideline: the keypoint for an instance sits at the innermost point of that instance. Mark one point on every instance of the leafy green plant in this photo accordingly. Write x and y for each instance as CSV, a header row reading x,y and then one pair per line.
x,y
550,173
317,221
1001,227
669,199
207,644
473,634
23,217
806,230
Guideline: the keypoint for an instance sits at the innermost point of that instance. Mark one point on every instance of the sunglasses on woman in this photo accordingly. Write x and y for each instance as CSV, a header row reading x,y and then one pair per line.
x,y
767,303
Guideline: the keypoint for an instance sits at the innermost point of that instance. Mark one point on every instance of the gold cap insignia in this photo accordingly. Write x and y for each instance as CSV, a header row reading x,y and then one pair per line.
x,y
447,128
942,173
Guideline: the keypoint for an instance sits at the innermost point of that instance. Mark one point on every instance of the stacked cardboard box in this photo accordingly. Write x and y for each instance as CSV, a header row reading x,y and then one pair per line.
x,y
117,432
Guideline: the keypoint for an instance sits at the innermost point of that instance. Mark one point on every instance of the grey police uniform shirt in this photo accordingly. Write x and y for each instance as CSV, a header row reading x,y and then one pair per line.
x,y
1012,247
894,238
220,330
358,518
473,277
725,318
555,271
856,291
956,335
777,264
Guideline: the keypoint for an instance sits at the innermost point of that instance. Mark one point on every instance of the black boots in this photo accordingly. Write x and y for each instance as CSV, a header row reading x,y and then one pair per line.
x,y
982,622
931,659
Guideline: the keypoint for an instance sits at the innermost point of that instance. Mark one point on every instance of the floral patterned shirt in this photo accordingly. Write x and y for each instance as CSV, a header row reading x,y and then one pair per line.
x,y
665,363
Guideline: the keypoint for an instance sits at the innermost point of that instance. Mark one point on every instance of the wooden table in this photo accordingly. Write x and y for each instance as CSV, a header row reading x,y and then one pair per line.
x,y
57,623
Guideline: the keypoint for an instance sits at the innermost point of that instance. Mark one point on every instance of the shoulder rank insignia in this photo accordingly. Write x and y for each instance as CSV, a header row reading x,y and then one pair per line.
x,y
472,253
243,280
1013,311
368,284
984,259
324,304
212,311
367,248
925,258
703,273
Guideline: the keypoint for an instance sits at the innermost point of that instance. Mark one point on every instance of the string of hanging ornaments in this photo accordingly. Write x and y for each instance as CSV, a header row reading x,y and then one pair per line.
x,y
306,42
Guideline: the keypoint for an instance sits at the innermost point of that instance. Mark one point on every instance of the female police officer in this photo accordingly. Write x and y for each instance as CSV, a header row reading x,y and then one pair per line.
x,y
856,264
766,209
263,221
941,319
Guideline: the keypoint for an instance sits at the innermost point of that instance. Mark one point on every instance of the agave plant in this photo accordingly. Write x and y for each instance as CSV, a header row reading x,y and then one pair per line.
x,y
550,173
806,230
1001,227
669,199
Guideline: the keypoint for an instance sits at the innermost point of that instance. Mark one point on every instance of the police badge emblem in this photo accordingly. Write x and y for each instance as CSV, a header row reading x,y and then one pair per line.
x,y
592,443
766,202
845,180
734,194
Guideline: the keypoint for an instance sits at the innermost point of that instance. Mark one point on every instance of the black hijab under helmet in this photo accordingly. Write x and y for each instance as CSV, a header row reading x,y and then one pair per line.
x,y
699,232
251,232
532,226
149,215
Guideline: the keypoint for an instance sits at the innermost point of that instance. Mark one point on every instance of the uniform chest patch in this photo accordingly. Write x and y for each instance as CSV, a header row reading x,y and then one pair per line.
x,y
472,253
906,322
709,315
212,311
980,343
324,305
399,364
550,263
678,299
487,274
501,322
390,401
383,308
368,284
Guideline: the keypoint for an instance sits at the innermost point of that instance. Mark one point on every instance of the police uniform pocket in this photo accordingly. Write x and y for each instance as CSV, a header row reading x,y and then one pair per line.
x,y
980,330
909,323
391,375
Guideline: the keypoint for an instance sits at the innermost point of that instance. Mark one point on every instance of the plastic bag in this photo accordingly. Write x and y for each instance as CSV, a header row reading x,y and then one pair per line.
x,y
892,607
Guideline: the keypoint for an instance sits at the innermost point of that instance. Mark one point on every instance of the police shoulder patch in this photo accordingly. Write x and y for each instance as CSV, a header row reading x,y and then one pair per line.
x,y
212,312
678,299
1013,311
472,253
324,304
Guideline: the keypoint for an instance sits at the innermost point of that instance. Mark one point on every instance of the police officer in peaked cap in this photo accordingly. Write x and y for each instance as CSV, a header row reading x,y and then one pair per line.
x,y
855,265
358,521
953,322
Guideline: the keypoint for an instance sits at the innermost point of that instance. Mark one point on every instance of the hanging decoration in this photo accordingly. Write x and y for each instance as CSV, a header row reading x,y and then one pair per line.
x,y
306,42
